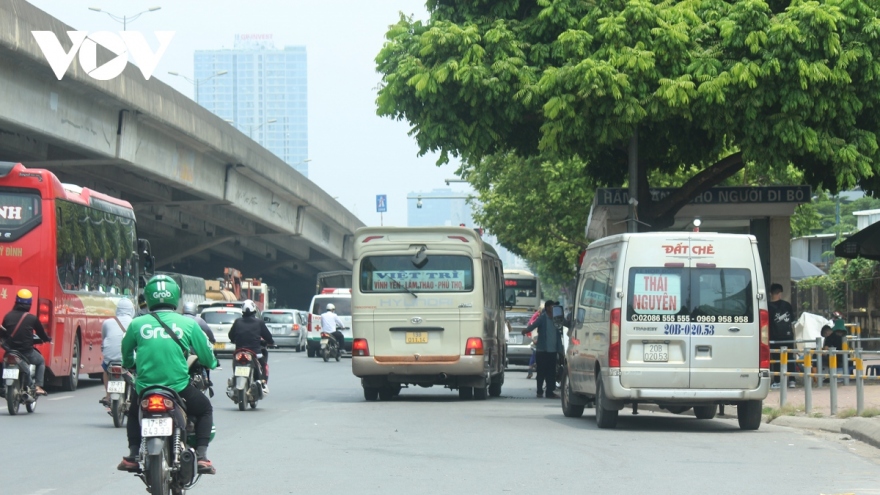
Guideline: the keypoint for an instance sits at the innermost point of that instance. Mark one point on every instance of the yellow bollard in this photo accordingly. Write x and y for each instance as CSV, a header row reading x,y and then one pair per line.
x,y
832,361
783,358
858,362
808,359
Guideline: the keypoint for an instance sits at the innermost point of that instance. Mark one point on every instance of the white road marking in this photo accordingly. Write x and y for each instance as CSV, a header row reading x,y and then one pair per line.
x,y
61,398
43,491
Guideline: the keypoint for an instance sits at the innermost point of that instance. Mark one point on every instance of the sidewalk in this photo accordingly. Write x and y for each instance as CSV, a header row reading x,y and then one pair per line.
x,y
864,429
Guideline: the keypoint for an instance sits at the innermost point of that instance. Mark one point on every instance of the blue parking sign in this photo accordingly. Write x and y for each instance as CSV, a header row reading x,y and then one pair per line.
x,y
381,203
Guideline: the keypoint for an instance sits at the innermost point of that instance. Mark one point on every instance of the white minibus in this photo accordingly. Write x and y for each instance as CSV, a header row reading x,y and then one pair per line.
x,y
427,309
673,319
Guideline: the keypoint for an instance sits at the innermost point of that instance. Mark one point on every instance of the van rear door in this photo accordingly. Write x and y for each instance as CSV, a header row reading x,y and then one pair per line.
x,y
655,340
724,313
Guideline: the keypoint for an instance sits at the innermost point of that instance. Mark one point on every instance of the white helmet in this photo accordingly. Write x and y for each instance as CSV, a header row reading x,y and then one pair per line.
x,y
331,307
248,307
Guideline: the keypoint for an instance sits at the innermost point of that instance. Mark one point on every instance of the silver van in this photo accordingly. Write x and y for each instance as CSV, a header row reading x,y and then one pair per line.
x,y
674,319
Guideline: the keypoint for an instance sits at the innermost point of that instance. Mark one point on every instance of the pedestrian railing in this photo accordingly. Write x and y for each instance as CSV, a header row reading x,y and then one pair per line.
x,y
854,363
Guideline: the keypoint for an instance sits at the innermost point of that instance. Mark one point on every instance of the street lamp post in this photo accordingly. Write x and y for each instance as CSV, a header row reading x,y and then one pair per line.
x,y
252,128
125,18
195,82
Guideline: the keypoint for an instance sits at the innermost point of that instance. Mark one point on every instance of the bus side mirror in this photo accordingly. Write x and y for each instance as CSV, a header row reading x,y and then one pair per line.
x,y
581,315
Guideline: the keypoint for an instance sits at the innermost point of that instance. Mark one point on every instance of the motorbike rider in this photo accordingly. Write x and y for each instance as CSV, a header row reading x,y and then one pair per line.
x,y
162,361
247,333
112,331
19,326
190,310
329,319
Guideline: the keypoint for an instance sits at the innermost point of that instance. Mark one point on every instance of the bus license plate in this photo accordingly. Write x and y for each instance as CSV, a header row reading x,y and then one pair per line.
x,y
416,337
156,427
656,353
242,371
117,387
10,373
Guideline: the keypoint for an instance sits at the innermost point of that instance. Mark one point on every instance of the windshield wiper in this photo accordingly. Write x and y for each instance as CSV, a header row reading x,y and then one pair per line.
x,y
405,288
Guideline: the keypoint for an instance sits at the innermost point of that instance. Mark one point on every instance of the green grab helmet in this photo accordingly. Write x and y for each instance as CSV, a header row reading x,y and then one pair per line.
x,y
162,291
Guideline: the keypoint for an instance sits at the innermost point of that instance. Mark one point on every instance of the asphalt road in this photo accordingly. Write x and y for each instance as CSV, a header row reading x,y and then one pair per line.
x,y
316,434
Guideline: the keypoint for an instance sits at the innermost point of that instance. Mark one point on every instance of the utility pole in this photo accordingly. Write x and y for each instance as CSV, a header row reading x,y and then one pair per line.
x,y
632,225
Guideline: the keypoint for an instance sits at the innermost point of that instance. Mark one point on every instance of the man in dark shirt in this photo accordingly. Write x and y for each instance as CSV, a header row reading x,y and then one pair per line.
x,y
18,331
247,332
781,319
548,346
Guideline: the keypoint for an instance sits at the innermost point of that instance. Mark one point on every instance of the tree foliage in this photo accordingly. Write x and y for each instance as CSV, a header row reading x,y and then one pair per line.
x,y
539,98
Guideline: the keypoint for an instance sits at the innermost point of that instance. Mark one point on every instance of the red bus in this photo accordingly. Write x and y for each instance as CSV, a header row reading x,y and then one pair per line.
x,y
77,251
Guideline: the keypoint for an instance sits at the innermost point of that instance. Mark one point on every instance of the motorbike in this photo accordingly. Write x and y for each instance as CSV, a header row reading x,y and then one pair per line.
x,y
18,376
329,347
119,386
168,462
18,379
244,388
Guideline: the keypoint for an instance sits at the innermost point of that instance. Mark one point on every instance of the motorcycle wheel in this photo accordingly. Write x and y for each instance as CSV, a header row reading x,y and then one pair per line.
x,y
158,473
337,355
242,400
13,402
32,406
118,413
325,354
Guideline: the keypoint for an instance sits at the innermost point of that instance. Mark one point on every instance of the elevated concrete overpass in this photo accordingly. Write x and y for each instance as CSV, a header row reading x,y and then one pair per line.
x,y
205,194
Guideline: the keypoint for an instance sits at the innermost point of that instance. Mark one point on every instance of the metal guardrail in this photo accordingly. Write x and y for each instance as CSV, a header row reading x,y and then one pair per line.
x,y
853,368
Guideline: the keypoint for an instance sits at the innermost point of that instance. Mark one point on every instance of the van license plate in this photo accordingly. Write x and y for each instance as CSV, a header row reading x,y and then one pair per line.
x,y
514,339
156,427
116,387
10,374
416,337
656,353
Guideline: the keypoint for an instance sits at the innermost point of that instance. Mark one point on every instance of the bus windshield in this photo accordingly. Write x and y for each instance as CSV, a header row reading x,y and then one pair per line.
x,y
397,273
521,292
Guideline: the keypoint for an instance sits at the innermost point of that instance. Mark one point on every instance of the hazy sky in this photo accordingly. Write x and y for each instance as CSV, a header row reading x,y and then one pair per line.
x,y
355,154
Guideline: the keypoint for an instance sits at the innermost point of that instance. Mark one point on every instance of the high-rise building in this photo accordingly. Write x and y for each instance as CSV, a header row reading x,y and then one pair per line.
x,y
263,93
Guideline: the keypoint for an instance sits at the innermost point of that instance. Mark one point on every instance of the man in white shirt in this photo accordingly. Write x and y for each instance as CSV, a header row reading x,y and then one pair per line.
x,y
330,321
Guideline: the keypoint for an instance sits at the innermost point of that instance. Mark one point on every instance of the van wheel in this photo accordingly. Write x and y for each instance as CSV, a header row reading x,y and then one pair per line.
x,y
480,393
371,393
386,393
605,418
705,412
495,386
569,410
676,409
748,414
310,352
466,393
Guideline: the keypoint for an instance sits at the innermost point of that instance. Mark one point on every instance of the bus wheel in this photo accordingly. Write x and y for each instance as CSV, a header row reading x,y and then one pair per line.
x,y
70,382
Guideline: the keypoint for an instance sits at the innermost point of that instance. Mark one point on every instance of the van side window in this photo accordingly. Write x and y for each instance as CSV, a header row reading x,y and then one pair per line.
x,y
595,296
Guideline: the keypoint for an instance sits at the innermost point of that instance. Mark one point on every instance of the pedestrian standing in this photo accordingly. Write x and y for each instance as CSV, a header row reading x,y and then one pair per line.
x,y
781,331
548,346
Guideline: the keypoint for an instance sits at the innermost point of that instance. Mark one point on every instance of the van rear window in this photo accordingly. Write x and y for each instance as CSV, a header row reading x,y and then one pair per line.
x,y
703,295
398,273
343,305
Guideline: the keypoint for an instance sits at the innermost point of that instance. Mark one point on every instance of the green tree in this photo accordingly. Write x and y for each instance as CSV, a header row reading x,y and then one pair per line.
x,y
707,85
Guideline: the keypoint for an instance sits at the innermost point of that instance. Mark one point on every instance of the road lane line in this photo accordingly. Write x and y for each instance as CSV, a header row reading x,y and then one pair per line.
x,y
61,398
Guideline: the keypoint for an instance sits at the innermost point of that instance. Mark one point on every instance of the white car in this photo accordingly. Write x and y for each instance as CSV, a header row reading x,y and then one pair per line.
x,y
220,319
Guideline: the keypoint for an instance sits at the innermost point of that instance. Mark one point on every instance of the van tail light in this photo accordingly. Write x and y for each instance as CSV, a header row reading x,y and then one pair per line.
x,y
44,314
310,323
295,327
157,404
614,348
474,347
764,343
360,347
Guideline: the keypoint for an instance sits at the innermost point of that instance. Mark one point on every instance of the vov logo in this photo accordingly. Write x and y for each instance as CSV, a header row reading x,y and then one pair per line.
x,y
122,44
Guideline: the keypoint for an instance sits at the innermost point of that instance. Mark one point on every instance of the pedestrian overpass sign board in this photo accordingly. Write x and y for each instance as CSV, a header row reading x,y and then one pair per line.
x,y
381,203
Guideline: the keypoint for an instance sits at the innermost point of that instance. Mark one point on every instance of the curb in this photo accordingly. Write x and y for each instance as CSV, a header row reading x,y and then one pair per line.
x,y
865,429
831,425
